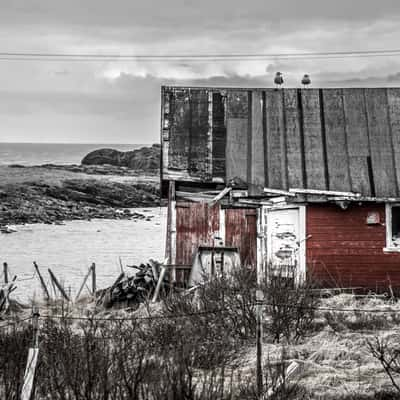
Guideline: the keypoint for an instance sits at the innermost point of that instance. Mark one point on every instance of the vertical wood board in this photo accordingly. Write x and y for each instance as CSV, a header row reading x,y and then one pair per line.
x,y
237,135
179,141
394,120
241,231
313,141
293,140
199,138
380,142
257,172
357,139
218,135
336,146
275,143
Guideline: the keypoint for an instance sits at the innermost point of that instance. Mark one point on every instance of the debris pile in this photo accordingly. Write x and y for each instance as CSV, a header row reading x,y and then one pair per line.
x,y
136,289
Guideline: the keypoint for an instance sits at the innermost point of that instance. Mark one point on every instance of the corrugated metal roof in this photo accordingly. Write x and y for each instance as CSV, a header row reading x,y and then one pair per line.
x,y
330,139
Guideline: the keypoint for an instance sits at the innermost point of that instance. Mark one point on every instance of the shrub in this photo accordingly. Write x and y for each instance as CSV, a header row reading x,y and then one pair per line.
x,y
292,308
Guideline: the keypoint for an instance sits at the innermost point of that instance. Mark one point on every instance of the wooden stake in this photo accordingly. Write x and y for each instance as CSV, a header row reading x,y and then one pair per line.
x,y
59,286
159,283
29,376
42,282
259,344
94,288
5,272
84,282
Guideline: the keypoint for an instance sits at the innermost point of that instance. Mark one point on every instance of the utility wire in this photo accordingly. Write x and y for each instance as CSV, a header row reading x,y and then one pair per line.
x,y
33,56
222,310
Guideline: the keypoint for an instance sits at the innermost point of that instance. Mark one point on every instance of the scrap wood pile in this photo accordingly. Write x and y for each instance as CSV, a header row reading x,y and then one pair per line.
x,y
135,289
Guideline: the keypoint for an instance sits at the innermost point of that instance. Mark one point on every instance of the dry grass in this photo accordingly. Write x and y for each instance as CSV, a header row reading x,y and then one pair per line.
x,y
335,360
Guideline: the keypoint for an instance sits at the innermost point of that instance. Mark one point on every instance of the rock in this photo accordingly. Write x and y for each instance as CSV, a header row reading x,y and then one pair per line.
x,y
143,159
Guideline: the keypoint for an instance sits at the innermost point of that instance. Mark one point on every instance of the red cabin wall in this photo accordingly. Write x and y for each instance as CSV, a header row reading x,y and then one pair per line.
x,y
198,224
344,251
241,231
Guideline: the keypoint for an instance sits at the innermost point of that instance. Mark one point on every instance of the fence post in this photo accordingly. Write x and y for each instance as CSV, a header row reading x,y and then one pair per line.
x,y
259,373
5,272
94,279
42,282
29,376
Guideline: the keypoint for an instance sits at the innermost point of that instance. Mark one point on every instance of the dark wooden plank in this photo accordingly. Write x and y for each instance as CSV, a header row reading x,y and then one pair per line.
x,y
357,139
275,140
257,173
380,142
179,142
313,140
218,135
237,135
198,150
294,148
241,232
336,148
394,118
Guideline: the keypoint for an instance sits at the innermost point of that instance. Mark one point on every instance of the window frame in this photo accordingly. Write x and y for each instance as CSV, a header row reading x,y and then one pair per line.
x,y
388,226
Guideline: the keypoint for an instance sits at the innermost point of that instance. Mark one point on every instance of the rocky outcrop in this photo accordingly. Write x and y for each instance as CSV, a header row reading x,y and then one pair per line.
x,y
145,159
73,199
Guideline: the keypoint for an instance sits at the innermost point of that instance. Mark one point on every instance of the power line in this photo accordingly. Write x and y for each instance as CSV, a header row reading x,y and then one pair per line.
x,y
39,56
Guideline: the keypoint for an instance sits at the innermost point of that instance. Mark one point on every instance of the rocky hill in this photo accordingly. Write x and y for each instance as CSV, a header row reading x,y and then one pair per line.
x,y
144,159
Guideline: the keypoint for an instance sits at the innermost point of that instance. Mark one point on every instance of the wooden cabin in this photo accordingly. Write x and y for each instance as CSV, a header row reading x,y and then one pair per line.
x,y
300,180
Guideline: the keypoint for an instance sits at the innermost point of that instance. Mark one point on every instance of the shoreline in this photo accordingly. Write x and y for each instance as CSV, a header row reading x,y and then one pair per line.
x,y
53,193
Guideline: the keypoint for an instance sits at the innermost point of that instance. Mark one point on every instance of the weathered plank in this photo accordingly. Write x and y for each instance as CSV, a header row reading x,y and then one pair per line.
x,y
241,232
257,173
275,140
336,148
293,139
380,142
394,120
313,140
218,135
198,143
357,139
178,150
237,135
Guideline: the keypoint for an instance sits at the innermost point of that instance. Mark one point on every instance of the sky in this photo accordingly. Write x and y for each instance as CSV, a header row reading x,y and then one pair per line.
x,y
119,102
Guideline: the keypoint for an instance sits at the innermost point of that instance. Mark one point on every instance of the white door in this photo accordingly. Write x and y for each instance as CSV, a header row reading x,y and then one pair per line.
x,y
285,242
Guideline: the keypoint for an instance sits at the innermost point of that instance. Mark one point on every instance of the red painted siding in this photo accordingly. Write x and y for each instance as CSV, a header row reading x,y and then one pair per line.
x,y
345,251
196,224
241,231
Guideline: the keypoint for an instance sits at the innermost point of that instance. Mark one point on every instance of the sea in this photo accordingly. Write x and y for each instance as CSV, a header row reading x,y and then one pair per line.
x,y
53,153
69,249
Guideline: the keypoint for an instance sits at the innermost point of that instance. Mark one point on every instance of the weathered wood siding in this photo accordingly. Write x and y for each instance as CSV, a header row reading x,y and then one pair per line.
x,y
241,231
334,139
198,224
343,251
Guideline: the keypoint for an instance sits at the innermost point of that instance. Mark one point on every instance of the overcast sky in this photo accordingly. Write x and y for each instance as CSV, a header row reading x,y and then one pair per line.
x,y
118,102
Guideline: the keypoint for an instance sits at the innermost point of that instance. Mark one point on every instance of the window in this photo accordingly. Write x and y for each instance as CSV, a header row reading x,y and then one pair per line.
x,y
393,227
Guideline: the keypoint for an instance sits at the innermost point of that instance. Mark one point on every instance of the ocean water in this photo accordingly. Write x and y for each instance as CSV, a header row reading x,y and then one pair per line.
x,y
70,249
52,153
